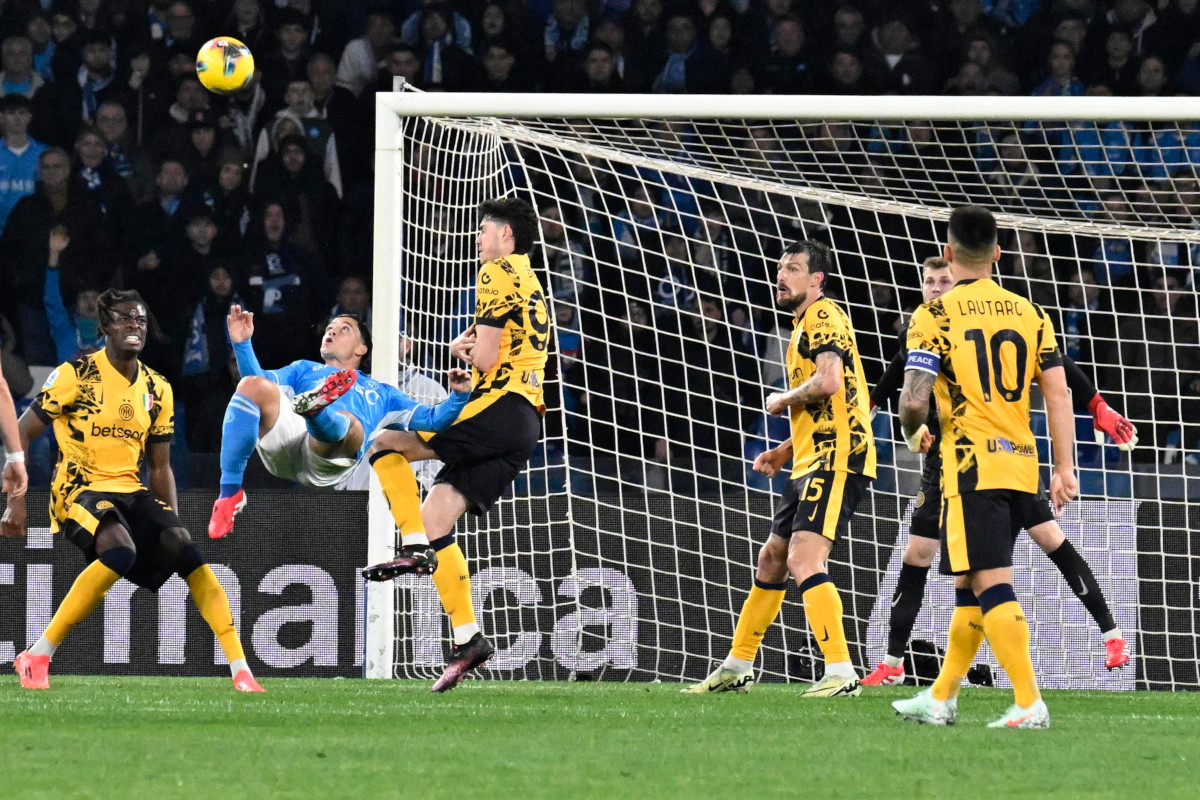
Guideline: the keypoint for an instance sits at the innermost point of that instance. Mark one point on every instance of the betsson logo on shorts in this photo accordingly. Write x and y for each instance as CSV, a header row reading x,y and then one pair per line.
x,y
116,432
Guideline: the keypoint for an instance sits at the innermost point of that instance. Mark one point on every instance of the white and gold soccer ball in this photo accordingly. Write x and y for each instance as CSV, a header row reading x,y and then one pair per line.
x,y
224,65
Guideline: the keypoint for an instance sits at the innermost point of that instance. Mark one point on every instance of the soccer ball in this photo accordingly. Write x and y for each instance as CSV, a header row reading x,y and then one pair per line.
x,y
224,65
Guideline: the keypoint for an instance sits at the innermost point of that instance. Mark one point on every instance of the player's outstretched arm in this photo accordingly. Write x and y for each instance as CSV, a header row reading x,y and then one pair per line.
x,y
434,419
1061,420
29,427
825,382
1105,419
160,476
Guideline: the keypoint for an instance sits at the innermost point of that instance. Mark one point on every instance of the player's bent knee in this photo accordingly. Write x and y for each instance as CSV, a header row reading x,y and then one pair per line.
x,y
119,559
1048,535
174,540
259,389
111,533
920,551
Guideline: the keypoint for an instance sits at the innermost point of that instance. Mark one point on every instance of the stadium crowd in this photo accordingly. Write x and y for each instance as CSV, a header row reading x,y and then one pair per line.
x,y
118,169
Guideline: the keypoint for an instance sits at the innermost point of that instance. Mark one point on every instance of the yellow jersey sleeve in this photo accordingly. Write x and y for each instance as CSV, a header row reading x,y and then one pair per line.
x,y
927,341
59,393
162,410
496,298
827,333
1048,354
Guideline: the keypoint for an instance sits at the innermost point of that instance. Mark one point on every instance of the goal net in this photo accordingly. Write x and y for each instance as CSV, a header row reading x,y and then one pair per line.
x,y
627,548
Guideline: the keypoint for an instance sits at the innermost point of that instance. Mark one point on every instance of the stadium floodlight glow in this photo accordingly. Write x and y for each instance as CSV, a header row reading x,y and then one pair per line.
x,y
643,482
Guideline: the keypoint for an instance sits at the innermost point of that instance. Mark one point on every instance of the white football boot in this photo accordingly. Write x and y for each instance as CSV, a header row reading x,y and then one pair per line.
x,y
1036,717
722,679
923,708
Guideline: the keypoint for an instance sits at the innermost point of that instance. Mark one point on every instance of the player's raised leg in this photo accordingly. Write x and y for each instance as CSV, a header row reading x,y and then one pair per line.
x,y
1079,576
391,456
736,672
250,415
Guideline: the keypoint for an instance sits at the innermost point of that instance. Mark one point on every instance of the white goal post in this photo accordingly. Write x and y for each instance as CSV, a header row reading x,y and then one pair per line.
x,y
628,548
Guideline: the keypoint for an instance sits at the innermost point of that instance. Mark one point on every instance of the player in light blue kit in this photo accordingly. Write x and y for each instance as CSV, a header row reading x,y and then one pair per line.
x,y
319,435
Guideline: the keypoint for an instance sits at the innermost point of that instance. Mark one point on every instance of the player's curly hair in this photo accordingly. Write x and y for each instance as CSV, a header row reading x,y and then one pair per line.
x,y
516,214
114,297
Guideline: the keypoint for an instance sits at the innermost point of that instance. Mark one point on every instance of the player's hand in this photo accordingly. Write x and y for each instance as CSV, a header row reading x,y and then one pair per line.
x,y
1064,487
463,346
12,524
770,462
776,403
1108,422
459,379
16,479
240,324
920,441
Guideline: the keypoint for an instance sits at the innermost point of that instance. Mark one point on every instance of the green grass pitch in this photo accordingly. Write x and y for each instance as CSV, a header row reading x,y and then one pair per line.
x,y
197,738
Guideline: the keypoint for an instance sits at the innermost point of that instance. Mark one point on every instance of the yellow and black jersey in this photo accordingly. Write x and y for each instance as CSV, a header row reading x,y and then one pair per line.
x,y
102,423
986,345
510,297
834,433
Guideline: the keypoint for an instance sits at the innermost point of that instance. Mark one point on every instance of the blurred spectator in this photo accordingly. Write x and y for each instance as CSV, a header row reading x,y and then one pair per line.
x,y
95,171
788,69
1060,78
1139,18
981,50
16,371
126,155
500,72
643,43
1117,69
337,105
611,33
1160,368
1087,320
447,67
895,65
229,200
18,75
686,65
44,46
410,30
362,56
566,34
1151,76
289,61
80,96
597,75
19,154
353,297
156,232
243,112
282,283
1027,270
172,135
76,331
294,174
846,74
571,277
182,36
634,223
25,252
245,23
850,29
203,148
208,374
317,131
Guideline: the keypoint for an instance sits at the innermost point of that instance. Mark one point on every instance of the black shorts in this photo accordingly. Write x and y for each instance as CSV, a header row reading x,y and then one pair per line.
x,y
820,502
1035,508
142,514
978,529
927,512
485,453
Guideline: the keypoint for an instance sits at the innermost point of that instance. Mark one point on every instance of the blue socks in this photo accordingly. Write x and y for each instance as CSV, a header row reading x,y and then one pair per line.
x,y
239,434
327,425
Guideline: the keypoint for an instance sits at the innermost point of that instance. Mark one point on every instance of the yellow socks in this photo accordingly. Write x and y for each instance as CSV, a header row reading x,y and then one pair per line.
x,y
823,607
1008,633
401,490
966,635
453,583
214,607
758,612
86,593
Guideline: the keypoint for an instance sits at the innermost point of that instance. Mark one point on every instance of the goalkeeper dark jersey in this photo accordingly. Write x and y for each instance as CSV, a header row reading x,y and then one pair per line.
x,y
888,389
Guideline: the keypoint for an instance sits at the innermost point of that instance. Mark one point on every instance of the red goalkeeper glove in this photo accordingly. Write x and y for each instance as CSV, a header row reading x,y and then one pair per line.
x,y
1107,421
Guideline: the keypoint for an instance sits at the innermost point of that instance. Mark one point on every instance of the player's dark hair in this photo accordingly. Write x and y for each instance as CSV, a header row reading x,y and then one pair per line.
x,y
364,332
820,257
516,214
111,298
973,232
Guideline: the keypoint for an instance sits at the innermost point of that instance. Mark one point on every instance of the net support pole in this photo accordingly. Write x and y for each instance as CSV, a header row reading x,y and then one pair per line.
x,y
381,535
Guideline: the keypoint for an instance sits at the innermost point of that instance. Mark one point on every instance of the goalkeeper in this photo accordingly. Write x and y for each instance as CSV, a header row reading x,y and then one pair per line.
x,y
936,280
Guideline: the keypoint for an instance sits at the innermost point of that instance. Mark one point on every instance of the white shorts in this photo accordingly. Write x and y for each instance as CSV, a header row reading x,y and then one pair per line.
x,y
286,454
